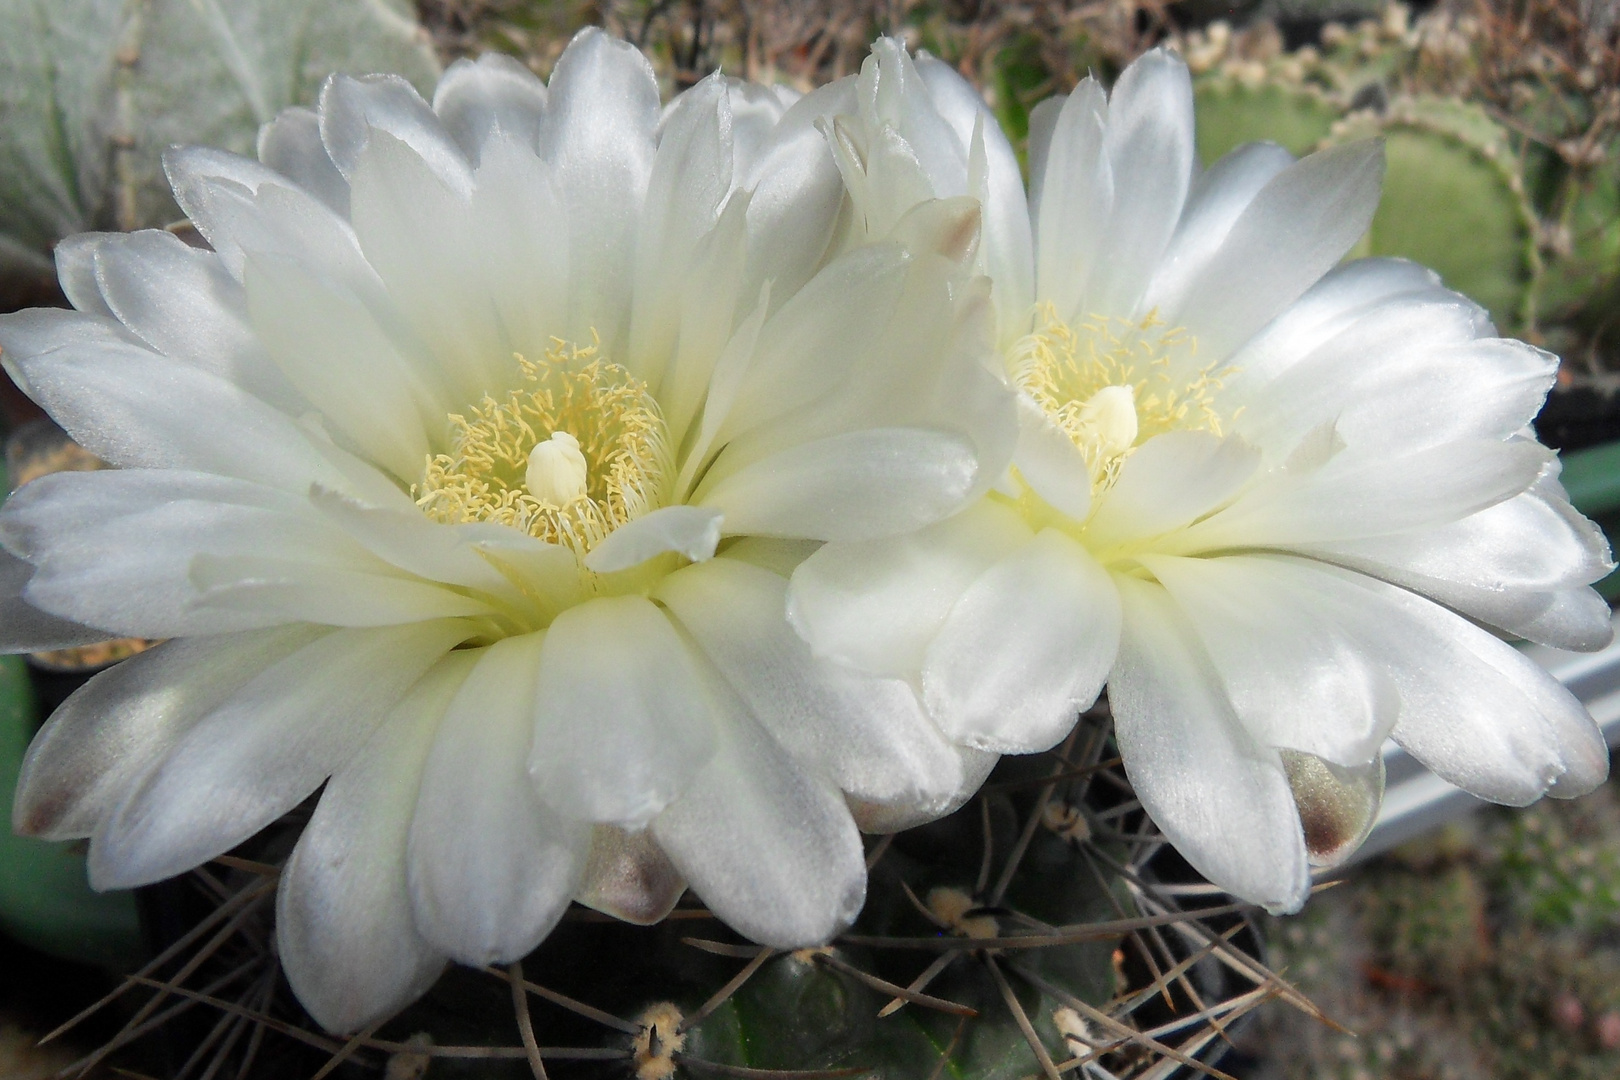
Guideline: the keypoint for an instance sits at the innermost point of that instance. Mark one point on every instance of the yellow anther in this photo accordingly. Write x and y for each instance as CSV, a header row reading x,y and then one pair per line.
x,y
1112,384
576,450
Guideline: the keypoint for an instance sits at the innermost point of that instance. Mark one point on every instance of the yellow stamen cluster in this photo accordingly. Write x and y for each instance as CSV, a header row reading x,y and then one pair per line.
x,y
1112,384
573,406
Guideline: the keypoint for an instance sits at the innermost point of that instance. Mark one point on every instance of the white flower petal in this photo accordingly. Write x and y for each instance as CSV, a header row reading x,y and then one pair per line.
x,y
519,229
1365,494
291,145
1149,143
1503,565
854,486
876,605
100,742
491,867
262,751
419,235
131,407
1168,482
801,355
1578,619
344,931
25,628
412,542
1072,198
1475,710
629,877
1295,678
1294,230
869,736
353,110
138,573
769,848
182,302
691,176
796,195
872,817
1345,295
240,205
1219,795
623,719
1009,244
1217,199
598,137
1025,649
692,531
491,99
267,589
76,272
1050,463
1394,380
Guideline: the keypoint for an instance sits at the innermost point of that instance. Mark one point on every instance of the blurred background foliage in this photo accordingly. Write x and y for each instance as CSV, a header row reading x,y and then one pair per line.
x,y
1492,949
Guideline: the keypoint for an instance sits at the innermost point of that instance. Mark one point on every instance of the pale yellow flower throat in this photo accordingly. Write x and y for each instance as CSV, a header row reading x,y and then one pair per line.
x,y
576,450
1112,384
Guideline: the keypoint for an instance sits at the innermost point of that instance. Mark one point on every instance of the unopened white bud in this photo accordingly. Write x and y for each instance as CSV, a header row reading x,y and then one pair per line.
x,y
1110,415
556,472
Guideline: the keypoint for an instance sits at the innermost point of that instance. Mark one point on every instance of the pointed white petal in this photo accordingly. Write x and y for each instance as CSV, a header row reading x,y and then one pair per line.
x,y
1170,481
1149,143
1219,795
344,932
876,605
1216,201
1357,494
353,110
76,272
183,303
1025,649
692,531
491,867
135,409
768,847
1008,245
854,486
1293,232
291,145
623,719
262,751
491,98
598,137
25,628
1295,678
1072,198
869,736
1475,710
115,728
1051,464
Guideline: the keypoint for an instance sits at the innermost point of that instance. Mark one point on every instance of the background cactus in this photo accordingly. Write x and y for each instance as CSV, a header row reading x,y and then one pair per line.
x,y
93,91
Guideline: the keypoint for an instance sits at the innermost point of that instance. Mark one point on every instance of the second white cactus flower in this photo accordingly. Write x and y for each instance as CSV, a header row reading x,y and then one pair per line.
x,y
1266,498
462,470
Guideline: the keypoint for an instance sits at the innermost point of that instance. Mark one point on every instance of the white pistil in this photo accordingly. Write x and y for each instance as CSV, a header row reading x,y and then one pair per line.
x,y
1109,416
556,472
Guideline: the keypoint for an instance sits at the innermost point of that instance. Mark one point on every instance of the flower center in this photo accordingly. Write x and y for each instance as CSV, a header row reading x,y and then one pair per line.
x,y
1111,384
576,450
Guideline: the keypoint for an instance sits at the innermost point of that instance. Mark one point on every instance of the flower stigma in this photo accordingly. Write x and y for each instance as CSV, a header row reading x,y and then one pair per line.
x,y
1110,384
576,450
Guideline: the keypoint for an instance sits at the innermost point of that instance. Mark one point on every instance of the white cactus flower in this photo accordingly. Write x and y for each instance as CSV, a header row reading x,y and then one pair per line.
x,y
1267,498
466,469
